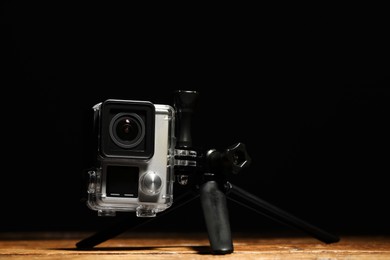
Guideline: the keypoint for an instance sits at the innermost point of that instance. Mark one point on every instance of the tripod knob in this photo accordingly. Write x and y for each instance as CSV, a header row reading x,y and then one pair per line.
x,y
238,157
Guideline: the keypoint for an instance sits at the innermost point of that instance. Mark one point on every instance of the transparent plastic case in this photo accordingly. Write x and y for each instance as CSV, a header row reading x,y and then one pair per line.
x,y
133,184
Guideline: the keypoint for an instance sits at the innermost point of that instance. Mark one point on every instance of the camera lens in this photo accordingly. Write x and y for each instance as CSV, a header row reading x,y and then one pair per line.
x,y
127,130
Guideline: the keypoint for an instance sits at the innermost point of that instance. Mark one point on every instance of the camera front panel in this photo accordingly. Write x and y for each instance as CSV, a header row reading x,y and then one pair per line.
x,y
124,182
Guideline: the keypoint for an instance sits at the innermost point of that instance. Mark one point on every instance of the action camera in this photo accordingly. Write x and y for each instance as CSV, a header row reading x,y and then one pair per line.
x,y
135,145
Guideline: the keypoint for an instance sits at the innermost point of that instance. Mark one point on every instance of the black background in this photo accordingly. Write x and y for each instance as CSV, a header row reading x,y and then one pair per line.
x,y
309,99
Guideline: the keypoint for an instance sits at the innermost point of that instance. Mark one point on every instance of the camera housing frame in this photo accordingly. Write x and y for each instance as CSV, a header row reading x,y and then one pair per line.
x,y
135,158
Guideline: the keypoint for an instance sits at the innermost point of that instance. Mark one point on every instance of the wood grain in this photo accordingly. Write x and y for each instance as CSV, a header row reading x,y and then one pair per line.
x,y
190,246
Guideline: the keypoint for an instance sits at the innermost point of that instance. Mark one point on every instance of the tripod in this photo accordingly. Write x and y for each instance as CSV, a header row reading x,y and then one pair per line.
x,y
208,173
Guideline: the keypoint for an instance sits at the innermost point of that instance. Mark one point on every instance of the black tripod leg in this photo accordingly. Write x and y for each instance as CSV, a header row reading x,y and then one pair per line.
x,y
124,225
280,215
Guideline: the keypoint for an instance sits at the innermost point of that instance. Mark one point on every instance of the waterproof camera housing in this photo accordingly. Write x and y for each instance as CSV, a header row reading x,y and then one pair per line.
x,y
135,145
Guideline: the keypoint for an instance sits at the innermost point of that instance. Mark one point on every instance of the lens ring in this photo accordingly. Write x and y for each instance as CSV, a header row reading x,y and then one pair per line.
x,y
133,121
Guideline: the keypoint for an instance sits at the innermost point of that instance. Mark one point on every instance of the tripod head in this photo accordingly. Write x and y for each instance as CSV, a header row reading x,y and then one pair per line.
x,y
220,164
230,161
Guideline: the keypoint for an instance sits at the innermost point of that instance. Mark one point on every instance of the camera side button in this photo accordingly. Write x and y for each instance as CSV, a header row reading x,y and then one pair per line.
x,y
151,183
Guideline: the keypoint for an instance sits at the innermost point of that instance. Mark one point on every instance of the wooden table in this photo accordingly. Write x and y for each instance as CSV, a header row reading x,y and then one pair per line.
x,y
145,246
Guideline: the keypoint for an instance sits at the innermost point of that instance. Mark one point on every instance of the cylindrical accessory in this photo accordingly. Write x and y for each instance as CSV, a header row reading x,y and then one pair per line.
x,y
216,216
185,102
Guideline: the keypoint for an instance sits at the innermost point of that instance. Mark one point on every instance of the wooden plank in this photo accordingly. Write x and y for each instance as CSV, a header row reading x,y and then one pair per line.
x,y
191,246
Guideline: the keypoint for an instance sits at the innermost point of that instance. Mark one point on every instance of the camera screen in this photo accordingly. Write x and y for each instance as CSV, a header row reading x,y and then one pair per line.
x,y
122,181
